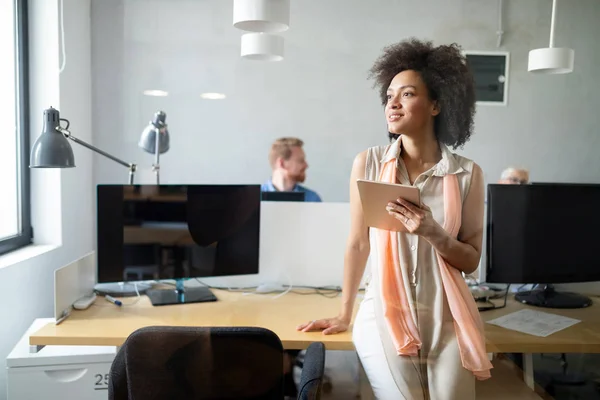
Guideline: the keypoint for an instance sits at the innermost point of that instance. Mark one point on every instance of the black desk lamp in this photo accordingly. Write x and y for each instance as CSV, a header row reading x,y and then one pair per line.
x,y
52,149
155,140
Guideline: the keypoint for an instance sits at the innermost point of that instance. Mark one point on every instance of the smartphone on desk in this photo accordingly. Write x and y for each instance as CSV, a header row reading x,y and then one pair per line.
x,y
375,196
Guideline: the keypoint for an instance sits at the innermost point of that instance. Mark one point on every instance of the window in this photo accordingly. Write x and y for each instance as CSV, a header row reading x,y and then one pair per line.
x,y
15,218
490,70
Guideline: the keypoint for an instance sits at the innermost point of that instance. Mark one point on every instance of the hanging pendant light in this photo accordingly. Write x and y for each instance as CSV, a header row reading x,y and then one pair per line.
x,y
551,60
262,47
270,16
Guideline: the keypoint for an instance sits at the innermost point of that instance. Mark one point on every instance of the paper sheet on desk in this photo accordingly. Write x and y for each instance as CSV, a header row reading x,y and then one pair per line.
x,y
533,322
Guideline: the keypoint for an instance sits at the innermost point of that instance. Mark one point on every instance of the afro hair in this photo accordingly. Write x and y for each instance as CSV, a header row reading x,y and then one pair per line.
x,y
449,80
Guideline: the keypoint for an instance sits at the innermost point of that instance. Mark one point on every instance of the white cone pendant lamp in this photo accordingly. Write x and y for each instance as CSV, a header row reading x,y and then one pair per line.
x,y
261,19
551,60
262,47
269,16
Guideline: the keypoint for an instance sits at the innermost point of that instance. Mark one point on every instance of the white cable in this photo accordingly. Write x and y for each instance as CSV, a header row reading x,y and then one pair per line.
x,y
139,296
62,38
137,292
287,290
229,289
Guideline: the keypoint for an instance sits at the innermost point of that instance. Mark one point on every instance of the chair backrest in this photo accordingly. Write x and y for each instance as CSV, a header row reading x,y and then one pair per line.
x,y
198,363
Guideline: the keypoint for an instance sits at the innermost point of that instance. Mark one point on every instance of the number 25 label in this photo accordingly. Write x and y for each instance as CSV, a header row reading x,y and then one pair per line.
x,y
101,382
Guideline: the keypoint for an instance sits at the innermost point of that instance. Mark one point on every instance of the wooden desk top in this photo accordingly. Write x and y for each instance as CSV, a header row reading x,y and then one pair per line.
x,y
105,324
583,337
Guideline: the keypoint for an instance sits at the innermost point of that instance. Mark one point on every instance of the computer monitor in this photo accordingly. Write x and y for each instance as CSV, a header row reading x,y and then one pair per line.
x,y
154,232
283,196
544,234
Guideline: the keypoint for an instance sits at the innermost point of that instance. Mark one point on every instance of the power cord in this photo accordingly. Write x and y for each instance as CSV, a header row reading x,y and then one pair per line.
x,y
492,306
325,291
289,289
522,287
135,301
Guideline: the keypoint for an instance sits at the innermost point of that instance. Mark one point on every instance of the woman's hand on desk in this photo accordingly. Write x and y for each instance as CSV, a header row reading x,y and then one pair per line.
x,y
327,325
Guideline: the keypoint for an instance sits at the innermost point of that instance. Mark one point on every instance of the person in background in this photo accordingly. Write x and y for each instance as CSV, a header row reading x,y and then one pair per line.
x,y
288,163
514,176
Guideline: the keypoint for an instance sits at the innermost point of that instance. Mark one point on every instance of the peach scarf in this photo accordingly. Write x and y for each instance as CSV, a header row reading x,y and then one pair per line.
x,y
398,317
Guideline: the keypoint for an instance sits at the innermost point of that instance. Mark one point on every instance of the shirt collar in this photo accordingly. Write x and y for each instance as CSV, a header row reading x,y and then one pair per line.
x,y
272,187
447,165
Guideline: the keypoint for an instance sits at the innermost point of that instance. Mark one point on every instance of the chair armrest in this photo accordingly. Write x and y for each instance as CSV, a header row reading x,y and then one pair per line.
x,y
311,379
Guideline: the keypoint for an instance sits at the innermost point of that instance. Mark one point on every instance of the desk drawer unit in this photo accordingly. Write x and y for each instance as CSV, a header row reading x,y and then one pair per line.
x,y
58,372
76,381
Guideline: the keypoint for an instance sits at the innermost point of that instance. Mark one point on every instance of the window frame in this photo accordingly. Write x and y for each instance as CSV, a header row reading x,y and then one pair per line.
x,y
25,236
506,56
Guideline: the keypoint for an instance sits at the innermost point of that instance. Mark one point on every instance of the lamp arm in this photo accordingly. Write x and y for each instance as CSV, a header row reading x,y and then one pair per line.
x,y
132,167
156,166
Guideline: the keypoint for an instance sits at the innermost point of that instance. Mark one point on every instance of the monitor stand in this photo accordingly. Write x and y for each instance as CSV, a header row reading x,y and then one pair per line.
x,y
549,297
122,289
181,295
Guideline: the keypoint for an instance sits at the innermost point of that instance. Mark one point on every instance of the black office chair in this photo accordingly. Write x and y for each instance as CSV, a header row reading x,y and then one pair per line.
x,y
191,363
299,357
566,379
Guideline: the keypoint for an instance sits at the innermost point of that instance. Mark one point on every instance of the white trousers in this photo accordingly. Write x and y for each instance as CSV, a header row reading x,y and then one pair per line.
x,y
442,379
370,351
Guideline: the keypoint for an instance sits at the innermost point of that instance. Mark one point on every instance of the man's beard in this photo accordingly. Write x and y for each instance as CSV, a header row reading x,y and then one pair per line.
x,y
299,178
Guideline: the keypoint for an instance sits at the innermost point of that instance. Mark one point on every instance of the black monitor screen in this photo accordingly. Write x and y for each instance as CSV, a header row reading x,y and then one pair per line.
x,y
148,232
543,233
283,196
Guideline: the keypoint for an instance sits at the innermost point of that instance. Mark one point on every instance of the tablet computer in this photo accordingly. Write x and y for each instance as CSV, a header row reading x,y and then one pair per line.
x,y
375,197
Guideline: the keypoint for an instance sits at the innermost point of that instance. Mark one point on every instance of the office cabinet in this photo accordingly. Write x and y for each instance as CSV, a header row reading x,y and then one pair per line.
x,y
58,372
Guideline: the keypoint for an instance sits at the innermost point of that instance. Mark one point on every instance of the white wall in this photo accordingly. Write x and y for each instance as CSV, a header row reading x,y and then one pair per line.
x,y
62,207
320,92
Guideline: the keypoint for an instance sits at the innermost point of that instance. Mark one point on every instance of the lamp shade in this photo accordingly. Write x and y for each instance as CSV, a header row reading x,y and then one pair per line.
x,y
148,138
269,16
51,149
551,60
262,47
